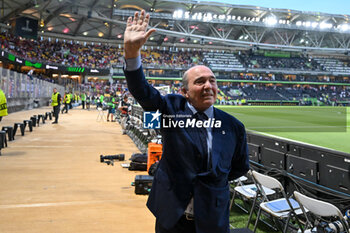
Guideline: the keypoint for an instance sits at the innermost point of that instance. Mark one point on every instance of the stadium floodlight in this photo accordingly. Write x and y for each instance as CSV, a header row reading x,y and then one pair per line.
x,y
271,21
187,15
228,17
178,14
308,24
207,17
199,16
210,16
299,23
344,27
233,17
282,21
222,17
325,25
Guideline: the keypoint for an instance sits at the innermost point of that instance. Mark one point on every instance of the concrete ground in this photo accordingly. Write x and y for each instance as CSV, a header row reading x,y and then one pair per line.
x,y
51,179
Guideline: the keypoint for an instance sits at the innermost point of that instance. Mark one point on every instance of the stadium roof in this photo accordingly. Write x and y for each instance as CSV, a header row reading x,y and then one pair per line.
x,y
331,7
187,22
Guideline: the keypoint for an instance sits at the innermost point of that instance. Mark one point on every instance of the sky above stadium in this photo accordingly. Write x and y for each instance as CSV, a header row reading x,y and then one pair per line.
x,y
323,6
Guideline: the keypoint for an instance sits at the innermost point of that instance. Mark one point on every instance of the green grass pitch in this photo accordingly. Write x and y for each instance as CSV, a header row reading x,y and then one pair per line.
x,y
321,126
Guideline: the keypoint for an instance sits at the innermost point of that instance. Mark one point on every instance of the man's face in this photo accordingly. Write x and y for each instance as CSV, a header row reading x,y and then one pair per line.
x,y
202,87
54,90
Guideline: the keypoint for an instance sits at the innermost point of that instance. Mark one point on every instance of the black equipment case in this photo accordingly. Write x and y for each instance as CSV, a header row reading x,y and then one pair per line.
x,y
143,184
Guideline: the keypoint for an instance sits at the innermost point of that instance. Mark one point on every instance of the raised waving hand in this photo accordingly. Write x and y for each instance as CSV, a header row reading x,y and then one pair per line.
x,y
136,34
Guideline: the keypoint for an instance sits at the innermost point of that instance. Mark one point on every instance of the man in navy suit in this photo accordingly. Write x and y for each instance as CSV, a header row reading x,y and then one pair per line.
x,y
190,191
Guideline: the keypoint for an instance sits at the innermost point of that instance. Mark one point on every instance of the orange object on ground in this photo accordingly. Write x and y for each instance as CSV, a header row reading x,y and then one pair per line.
x,y
154,153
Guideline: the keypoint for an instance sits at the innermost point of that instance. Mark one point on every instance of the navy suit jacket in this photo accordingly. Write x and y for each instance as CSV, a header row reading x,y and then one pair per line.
x,y
180,175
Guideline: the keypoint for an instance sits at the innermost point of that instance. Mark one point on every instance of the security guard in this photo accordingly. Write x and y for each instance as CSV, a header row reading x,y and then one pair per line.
x,y
56,103
3,104
83,99
67,101
70,101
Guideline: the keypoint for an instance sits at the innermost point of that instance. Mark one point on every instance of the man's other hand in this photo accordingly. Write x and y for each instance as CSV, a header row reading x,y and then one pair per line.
x,y
136,34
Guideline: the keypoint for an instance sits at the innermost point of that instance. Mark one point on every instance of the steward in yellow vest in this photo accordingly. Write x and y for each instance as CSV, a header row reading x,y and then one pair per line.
x,y
54,99
55,103
66,100
3,104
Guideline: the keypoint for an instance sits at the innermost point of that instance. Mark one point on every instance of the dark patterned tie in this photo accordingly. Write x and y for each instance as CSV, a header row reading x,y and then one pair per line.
x,y
203,134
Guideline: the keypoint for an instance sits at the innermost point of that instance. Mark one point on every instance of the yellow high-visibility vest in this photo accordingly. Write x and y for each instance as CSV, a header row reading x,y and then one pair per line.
x,y
3,104
67,98
54,99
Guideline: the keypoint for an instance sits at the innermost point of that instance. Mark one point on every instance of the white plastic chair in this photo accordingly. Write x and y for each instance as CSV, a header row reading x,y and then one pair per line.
x,y
101,115
245,192
319,209
281,208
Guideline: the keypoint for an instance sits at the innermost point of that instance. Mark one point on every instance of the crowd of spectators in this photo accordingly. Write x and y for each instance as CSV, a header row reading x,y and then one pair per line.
x,y
97,55
168,63
238,93
292,63
93,55
171,59
61,52
327,95
282,77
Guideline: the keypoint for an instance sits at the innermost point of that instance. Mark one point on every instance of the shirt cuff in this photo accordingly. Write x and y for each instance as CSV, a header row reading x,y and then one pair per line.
x,y
132,64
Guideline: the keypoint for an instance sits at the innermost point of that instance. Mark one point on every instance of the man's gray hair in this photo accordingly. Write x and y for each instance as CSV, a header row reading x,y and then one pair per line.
x,y
185,80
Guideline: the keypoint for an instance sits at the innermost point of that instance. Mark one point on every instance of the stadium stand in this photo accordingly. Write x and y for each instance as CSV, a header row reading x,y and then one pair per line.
x,y
333,65
287,63
62,52
294,63
222,61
